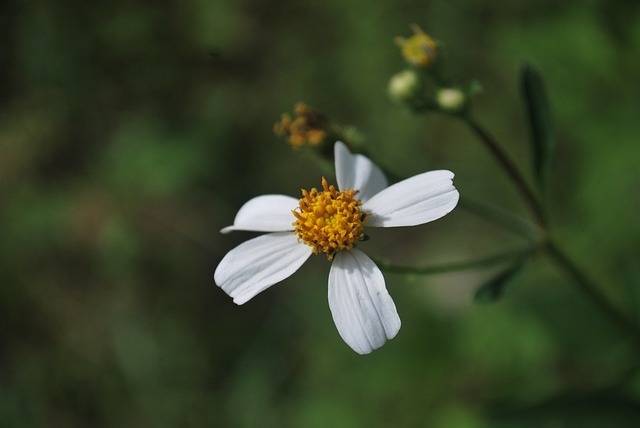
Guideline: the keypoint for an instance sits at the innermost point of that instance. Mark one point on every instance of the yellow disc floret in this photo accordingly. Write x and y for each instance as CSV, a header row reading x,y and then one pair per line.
x,y
329,221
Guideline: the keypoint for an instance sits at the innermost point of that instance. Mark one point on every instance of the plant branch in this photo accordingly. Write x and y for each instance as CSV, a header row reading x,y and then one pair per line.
x,y
593,293
511,169
499,216
495,259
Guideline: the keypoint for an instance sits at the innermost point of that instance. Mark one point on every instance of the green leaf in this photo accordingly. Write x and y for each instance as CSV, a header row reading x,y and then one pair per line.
x,y
541,124
496,287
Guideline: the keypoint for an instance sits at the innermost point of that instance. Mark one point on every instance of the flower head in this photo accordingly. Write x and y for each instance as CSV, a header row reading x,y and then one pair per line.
x,y
309,126
420,49
331,222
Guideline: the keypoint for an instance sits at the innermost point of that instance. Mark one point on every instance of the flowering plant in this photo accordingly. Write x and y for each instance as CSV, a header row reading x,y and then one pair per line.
x,y
332,220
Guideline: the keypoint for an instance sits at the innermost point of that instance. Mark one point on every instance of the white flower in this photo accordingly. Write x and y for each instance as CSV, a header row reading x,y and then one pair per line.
x,y
331,222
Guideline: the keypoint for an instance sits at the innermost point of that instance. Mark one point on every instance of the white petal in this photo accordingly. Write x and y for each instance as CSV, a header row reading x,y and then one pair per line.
x,y
357,172
267,213
257,264
362,309
416,200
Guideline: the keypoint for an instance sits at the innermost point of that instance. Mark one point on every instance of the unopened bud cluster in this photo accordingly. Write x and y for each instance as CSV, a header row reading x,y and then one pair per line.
x,y
422,87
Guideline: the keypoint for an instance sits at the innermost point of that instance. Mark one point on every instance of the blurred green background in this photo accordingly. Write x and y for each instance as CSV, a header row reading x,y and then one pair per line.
x,y
132,131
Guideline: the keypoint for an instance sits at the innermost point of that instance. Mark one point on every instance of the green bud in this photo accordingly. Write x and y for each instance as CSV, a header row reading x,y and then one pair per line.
x,y
406,86
451,100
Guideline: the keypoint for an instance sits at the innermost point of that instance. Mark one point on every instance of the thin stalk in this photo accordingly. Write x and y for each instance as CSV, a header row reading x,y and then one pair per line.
x,y
593,293
499,258
511,169
325,165
499,216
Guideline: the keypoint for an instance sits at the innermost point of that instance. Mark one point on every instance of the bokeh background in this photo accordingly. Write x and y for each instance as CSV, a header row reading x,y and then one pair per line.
x,y
132,131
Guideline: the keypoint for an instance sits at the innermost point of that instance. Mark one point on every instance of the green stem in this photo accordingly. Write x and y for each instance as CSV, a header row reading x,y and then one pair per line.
x,y
499,216
593,293
584,284
511,169
582,281
325,165
517,254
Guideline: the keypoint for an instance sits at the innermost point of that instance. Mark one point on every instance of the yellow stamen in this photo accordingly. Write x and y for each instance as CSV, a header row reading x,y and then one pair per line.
x,y
329,220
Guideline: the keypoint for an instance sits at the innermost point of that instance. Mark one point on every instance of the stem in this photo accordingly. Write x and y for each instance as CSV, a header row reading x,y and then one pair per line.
x,y
457,266
593,293
499,216
584,284
512,171
324,165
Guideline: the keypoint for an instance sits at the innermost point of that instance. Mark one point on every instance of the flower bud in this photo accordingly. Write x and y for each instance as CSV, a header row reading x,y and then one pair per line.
x,y
420,49
451,100
406,86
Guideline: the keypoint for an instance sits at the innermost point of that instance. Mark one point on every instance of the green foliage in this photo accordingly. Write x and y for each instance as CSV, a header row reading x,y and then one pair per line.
x,y
541,123
496,287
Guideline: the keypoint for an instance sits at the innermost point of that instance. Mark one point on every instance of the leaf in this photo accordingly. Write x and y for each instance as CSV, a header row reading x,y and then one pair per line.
x,y
541,123
496,287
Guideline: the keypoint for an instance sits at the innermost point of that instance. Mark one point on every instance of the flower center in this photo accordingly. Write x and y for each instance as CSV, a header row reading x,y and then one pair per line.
x,y
329,221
